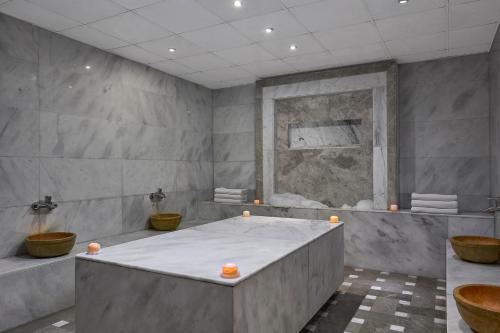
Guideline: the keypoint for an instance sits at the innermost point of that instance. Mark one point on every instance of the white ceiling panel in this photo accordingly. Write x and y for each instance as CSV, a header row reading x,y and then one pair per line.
x,y
480,48
474,13
312,61
218,37
422,56
351,36
161,47
412,25
420,44
135,53
203,62
281,48
172,15
387,8
133,4
483,34
330,14
283,23
361,54
91,36
83,11
245,55
268,68
225,9
172,67
228,73
293,3
37,15
131,28
231,83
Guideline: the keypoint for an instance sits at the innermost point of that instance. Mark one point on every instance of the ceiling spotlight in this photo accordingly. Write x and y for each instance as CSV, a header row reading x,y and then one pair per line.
x,y
268,30
293,47
88,67
402,2
237,3
171,50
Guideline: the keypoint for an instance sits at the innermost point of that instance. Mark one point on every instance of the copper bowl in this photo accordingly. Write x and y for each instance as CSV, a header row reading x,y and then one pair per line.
x,y
483,250
479,306
165,221
50,244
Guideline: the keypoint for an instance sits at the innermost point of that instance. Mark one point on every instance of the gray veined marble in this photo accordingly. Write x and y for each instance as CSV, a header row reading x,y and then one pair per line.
x,y
320,135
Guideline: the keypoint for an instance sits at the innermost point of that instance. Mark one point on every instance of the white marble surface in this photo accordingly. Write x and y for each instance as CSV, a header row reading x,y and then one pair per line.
x,y
252,243
459,272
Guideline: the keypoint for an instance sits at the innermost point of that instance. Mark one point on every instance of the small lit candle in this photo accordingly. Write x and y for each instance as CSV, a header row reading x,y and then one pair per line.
x,y
257,202
230,270
93,248
334,219
393,208
246,213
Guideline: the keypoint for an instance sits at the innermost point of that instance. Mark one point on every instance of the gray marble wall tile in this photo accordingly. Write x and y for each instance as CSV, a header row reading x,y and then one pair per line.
x,y
459,226
144,177
118,297
494,76
80,179
234,96
194,103
137,210
195,146
15,224
234,174
25,294
215,212
150,143
194,176
234,147
18,181
18,39
234,119
79,137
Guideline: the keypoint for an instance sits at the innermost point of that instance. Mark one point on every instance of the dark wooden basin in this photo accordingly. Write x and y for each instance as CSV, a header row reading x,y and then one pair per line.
x,y
50,244
484,250
479,306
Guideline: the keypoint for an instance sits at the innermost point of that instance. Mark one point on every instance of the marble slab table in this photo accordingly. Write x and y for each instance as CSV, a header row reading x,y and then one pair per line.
x,y
171,283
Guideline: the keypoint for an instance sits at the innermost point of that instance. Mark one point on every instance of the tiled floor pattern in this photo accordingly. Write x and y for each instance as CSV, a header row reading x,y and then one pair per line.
x,y
367,302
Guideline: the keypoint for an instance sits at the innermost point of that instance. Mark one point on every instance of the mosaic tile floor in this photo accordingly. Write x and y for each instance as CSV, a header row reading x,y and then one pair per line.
x,y
368,301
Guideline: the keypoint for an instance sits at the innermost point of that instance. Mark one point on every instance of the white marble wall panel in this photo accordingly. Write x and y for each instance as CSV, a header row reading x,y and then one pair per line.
x,y
186,305
15,224
143,176
460,226
241,95
18,181
193,176
234,119
494,77
195,146
234,147
234,174
19,39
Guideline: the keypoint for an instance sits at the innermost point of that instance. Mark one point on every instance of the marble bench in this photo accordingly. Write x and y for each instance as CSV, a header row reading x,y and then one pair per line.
x,y
171,283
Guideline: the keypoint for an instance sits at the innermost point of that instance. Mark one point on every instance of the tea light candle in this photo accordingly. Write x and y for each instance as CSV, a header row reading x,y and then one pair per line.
x,y
393,208
230,271
257,202
334,219
93,248
246,213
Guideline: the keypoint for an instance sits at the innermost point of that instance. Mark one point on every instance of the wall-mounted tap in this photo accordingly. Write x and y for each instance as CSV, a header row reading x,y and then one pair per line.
x,y
157,196
46,203
492,209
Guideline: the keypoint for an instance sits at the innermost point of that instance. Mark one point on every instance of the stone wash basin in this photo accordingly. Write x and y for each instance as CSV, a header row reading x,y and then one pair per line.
x,y
484,250
50,244
479,306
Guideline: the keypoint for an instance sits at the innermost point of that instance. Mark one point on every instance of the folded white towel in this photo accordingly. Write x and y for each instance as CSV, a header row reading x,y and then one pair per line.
x,y
222,190
228,201
231,196
434,197
434,210
435,204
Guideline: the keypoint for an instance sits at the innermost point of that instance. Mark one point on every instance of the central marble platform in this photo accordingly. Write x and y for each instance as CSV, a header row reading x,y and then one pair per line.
x,y
289,268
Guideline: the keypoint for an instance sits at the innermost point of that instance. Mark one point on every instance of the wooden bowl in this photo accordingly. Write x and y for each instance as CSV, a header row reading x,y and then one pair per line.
x,y
165,221
50,244
479,306
484,250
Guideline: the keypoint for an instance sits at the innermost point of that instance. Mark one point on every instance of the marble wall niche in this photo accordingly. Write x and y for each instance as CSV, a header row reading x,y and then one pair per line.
x,y
380,78
98,140
329,157
234,137
444,129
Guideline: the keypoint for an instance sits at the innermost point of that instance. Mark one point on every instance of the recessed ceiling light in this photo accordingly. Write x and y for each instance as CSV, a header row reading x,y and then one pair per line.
x,y
88,67
171,50
268,30
237,4
293,47
403,1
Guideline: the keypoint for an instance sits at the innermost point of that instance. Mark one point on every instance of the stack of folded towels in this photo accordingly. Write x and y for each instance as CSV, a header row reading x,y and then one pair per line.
x,y
230,195
434,203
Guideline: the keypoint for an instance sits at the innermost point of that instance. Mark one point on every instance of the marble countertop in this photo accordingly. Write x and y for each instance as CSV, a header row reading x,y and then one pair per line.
x,y
459,272
199,253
